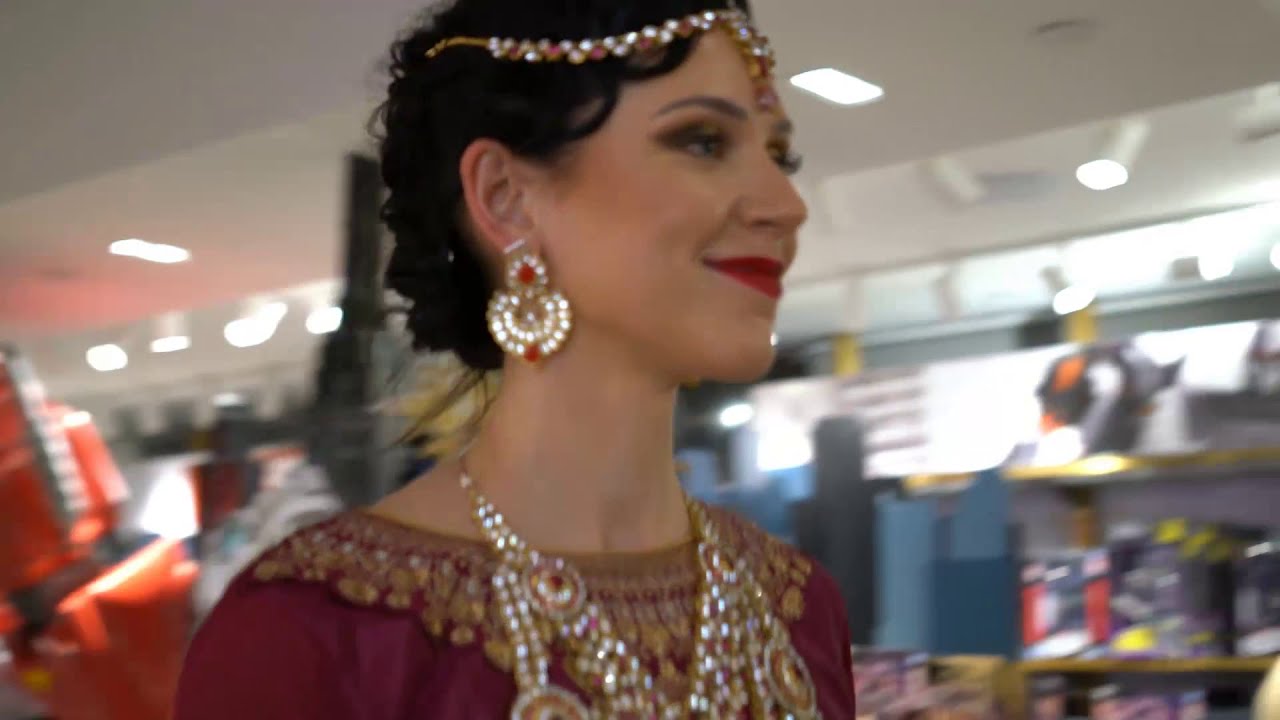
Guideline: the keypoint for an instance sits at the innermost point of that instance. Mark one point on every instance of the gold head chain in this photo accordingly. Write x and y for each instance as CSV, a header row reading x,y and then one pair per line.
x,y
753,44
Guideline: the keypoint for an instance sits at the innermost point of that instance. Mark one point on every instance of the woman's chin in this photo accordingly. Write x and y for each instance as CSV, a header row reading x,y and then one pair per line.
x,y
743,363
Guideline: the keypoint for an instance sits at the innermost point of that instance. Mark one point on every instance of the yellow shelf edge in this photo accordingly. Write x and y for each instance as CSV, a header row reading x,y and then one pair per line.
x,y
1174,665
1101,467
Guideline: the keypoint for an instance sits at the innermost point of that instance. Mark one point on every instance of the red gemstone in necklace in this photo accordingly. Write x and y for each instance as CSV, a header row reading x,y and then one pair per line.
x,y
556,588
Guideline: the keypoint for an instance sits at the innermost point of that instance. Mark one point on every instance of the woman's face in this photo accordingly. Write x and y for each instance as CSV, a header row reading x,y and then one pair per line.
x,y
669,229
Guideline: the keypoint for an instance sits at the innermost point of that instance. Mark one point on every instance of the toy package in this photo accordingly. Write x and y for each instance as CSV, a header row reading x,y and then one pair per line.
x,y
885,678
1258,601
1115,703
1172,591
1064,605
1048,698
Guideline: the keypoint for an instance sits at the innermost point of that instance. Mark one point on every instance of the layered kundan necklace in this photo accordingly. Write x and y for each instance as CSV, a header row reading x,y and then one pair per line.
x,y
743,660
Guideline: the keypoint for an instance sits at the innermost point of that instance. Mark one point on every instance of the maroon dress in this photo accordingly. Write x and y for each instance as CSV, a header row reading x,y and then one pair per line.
x,y
359,618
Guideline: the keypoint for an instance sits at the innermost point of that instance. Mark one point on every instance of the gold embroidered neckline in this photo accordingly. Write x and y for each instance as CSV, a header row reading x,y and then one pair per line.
x,y
372,561
591,563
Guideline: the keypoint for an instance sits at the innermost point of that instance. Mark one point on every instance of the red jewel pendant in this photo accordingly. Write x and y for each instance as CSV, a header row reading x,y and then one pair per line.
x,y
556,588
532,354
526,274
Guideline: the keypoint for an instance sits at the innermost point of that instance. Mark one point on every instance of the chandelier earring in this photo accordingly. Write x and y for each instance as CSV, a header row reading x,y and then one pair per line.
x,y
528,318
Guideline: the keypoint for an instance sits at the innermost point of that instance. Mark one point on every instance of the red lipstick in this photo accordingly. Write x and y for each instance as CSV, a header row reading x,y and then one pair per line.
x,y
758,273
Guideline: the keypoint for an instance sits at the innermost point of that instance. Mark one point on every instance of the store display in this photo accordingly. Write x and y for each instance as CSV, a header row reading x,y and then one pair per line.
x,y
1064,605
884,679
1257,605
1114,702
94,624
1172,592
1182,391
1048,695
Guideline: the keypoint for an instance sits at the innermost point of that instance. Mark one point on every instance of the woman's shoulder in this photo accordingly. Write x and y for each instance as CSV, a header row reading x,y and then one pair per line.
x,y
375,570
370,561
285,634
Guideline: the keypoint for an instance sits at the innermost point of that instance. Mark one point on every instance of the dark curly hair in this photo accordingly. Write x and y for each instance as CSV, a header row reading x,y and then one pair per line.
x,y
436,108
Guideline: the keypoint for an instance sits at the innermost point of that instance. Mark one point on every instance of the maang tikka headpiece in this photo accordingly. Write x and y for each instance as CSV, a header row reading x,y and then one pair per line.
x,y
752,43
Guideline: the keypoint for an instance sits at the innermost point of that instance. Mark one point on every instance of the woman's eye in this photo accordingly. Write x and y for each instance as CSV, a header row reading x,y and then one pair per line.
x,y
789,160
705,143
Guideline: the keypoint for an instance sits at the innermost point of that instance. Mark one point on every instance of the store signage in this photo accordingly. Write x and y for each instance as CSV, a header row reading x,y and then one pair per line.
x,y
1158,394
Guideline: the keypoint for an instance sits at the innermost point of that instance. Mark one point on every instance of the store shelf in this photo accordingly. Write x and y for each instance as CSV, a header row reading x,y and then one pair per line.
x,y
1104,469
1070,666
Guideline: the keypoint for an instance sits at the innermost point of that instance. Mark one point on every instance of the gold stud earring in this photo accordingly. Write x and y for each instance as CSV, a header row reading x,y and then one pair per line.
x,y
528,318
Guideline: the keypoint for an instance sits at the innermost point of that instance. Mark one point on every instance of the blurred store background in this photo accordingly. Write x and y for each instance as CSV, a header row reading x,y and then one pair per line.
x,y
1026,406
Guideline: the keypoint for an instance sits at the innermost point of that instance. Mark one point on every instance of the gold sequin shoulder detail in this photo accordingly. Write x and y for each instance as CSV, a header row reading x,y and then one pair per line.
x,y
372,562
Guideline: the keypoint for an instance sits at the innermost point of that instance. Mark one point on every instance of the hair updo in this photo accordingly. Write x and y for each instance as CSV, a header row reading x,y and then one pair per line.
x,y
435,108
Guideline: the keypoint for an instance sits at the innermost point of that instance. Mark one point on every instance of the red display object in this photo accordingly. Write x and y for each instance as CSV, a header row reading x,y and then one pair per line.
x,y
115,646
90,639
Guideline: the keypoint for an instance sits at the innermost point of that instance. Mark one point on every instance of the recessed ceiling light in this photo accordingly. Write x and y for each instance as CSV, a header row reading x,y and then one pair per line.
x,y
1216,265
256,327
149,251
172,343
228,399
1073,299
838,87
1102,174
324,320
107,358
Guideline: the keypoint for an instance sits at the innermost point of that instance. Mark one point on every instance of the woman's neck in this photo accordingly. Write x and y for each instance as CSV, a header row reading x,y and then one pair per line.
x,y
579,457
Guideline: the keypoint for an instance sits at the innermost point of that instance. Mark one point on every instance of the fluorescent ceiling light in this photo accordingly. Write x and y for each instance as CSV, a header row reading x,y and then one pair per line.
x,y
838,87
228,399
1102,174
172,343
256,328
1073,299
324,320
1275,256
1216,265
736,415
107,358
150,252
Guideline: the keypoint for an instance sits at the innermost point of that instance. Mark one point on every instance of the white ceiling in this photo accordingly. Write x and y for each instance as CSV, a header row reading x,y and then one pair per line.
x,y
220,126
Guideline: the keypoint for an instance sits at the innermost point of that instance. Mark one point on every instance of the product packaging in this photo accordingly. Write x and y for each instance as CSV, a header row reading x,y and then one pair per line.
x,y
1064,605
1258,601
1112,702
1172,593
1048,698
885,678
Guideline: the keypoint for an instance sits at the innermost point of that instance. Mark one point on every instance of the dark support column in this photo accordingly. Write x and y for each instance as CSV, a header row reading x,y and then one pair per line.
x,y
346,437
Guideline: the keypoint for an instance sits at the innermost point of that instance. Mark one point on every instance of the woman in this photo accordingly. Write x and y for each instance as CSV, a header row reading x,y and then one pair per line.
x,y
601,215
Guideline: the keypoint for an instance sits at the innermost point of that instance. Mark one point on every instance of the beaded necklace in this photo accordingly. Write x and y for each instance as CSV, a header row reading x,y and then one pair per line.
x,y
743,658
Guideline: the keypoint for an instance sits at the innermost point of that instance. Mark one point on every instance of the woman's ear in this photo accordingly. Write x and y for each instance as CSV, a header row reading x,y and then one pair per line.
x,y
494,190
